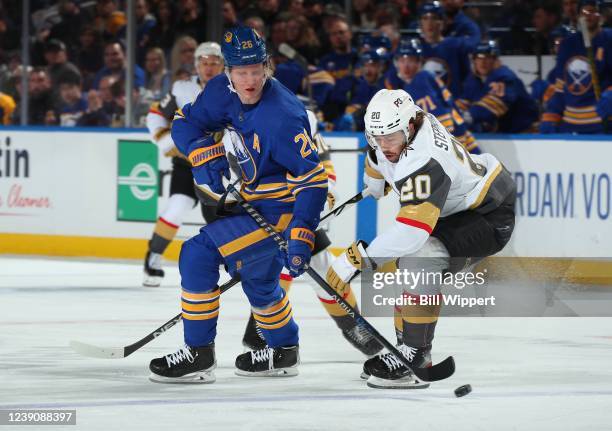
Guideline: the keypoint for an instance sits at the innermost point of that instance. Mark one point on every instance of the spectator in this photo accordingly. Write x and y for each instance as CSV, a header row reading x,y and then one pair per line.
x,y
40,100
72,104
257,24
7,106
9,32
96,115
144,24
458,24
87,57
362,14
494,98
139,105
295,7
545,18
69,27
114,64
162,34
106,95
230,18
371,67
302,37
109,19
569,13
182,57
278,32
158,78
57,61
191,22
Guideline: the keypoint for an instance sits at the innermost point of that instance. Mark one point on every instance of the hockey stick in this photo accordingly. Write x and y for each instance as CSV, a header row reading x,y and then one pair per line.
x,y
359,196
121,352
436,372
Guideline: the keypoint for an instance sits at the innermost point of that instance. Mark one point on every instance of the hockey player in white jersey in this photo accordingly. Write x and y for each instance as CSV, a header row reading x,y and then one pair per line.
x,y
452,205
209,63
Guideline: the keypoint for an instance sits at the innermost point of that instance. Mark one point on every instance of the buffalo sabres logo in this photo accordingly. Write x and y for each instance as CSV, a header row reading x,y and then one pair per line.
x,y
296,261
438,68
228,36
244,158
578,75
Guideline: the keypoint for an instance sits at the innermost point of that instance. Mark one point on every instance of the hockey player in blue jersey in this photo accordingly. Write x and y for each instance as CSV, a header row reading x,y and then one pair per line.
x,y
448,58
283,179
494,99
458,24
428,92
580,99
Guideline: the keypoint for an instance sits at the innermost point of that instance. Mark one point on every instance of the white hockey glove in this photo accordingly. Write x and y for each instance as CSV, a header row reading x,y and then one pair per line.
x,y
375,187
348,265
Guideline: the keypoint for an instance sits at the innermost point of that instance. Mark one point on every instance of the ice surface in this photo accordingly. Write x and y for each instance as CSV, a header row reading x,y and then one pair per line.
x,y
526,373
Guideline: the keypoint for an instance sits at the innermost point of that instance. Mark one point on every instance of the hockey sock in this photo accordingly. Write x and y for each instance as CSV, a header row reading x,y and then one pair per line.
x,y
419,324
163,234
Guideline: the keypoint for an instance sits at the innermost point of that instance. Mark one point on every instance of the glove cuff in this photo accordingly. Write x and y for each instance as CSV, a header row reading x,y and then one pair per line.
x,y
303,234
356,255
200,156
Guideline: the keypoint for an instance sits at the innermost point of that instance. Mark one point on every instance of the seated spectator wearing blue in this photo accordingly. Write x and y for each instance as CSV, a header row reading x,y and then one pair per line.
x,y
494,99
72,104
115,63
579,105
370,80
428,92
340,63
448,58
458,24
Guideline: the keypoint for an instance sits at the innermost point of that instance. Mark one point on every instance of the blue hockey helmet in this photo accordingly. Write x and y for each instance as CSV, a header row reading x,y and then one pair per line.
x,y
409,48
243,46
434,7
371,56
487,48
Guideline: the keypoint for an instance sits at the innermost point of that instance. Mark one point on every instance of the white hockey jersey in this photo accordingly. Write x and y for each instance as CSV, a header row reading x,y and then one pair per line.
x,y
434,177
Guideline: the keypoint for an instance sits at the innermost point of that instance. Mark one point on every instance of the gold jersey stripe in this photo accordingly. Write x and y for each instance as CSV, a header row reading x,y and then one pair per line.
x,y
425,212
253,237
486,187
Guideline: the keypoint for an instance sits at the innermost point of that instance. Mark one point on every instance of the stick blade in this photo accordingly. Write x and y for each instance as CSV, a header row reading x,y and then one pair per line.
x,y
97,352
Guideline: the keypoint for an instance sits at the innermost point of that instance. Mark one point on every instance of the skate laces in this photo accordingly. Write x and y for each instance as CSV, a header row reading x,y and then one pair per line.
x,y
392,362
183,353
262,355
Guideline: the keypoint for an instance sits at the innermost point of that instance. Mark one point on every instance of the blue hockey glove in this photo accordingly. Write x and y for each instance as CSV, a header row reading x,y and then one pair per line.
x,y
604,106
209,165
300,242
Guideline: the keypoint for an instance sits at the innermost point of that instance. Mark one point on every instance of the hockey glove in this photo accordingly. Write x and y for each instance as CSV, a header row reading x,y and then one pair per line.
x,y
348,265
548,127
209,165
300,242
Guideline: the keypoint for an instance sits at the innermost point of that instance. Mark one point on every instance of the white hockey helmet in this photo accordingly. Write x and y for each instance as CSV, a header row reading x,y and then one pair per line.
x,y
388,112
207,48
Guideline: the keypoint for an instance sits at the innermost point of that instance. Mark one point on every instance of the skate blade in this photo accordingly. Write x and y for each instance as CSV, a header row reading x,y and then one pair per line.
x,y
192,378
403,383
151,281
364,376
280,372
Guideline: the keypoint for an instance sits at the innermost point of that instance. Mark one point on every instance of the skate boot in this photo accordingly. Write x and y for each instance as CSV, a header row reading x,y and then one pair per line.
x,y
253,339
357,336
385,371
187,365
153,273
269,362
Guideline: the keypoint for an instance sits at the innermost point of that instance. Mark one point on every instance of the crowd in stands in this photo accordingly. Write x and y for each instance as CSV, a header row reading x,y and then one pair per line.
x,y
446,54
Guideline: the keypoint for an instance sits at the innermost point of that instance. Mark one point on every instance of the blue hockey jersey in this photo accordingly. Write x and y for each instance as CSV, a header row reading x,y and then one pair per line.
x,y
499,103
448,60
573,106
281,170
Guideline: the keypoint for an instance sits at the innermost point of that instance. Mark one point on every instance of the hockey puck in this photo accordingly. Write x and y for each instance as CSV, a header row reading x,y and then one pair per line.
x,y
462,391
